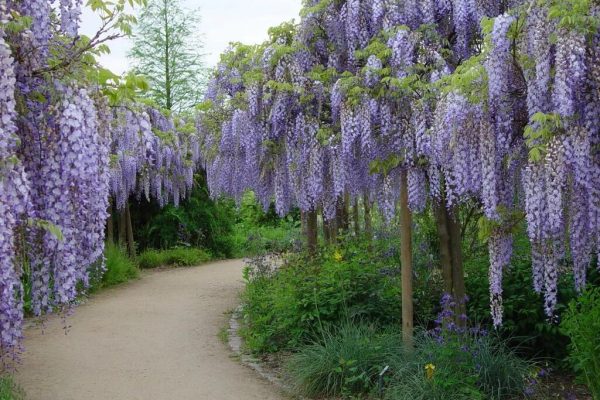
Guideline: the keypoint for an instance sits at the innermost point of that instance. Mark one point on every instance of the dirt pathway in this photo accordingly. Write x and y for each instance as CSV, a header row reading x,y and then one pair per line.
x,y
153,339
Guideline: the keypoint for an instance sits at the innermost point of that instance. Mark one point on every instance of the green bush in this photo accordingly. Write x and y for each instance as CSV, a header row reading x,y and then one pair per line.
x,y
285,307
582,325
463,366
252,240
282,311
119,267
9,390
198,222
344,361
177,257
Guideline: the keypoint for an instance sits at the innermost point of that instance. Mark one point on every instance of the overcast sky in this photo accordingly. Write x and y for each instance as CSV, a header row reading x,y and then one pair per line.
x,y
223,21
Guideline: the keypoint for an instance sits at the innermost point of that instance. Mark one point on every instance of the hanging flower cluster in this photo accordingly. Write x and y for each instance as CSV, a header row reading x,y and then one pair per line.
x,y
63,151
459,94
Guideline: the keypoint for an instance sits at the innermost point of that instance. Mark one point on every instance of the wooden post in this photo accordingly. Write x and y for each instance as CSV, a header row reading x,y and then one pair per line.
x,y
406,261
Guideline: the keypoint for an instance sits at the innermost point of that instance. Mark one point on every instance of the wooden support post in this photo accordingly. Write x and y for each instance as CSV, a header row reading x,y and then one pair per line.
x,y
406,261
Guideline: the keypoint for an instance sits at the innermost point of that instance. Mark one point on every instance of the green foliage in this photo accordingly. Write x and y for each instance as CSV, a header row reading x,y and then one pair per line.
x,y
258,232
284,309
539,133
346,361
582,325
462,367
197,222
343,361
168,52
177,257
9,390
525,322
252,240
119,267
470,79
574,15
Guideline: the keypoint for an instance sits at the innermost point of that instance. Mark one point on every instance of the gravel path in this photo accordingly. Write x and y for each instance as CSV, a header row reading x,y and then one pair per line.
x,y
153,339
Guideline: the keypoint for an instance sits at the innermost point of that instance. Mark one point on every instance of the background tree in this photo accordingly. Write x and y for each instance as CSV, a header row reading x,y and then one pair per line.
x,y
167,49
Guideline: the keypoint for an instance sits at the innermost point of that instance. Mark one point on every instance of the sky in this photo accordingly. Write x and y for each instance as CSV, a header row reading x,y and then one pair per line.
x,y
223,21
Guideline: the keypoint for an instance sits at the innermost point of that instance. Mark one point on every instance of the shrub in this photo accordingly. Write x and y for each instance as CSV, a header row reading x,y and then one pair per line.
x,y
119,267
284,308
9,390
178,257
252,240
582,325
198,222
344,361
463,366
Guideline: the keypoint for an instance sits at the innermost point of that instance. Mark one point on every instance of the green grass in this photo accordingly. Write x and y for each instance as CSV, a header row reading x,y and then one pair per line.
x,y
177,257
119,267
9,390
345,361
251,240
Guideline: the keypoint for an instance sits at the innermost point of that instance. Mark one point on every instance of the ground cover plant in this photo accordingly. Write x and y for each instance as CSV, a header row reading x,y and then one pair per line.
x,y
119,268
8,390
177,257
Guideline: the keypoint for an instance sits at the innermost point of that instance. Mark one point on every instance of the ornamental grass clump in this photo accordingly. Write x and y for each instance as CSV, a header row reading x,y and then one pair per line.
x,y
455,361
343,362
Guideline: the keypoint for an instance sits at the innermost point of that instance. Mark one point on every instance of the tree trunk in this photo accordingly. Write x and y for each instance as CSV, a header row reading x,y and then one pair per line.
x,y
303,223
130,241
110,225
312,232
167,61
406,261
339,216
326,228
450,238
368,220
458,275
356,217
445,247
123,228
346,213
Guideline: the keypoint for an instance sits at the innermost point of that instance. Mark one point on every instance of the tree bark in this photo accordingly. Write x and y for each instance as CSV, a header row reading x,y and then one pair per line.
x,y
445,247
346,213
130,241
356,217
110,225
450,240
406,261
123,228
458,275
312,232
326,228
368,220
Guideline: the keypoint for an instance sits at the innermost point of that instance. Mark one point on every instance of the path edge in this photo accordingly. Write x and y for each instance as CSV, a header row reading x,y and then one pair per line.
x,y
236,344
